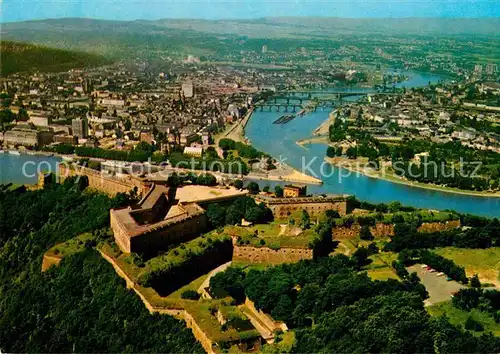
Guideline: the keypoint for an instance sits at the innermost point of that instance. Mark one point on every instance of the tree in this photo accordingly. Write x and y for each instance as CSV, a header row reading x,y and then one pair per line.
x,y
254,214
206,179
6,117
278,190
190,295
394,207
305,222
266,189
365,233
332,214
53,307
127,125
216,215
253,187
174,180
227,144
284,308
330,151
352,152
360,256
231,281
381,208
473,325
238,184
23,116
234,215
474,281
372,248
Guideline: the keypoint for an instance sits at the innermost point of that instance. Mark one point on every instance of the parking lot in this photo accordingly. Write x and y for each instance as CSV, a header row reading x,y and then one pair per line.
x,y
438,287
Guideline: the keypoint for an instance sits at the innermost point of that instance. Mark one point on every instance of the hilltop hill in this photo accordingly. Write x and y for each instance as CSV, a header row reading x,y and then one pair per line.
x,y
19,57
219,39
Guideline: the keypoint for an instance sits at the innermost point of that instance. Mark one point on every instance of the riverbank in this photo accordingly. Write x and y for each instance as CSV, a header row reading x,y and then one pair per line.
x,y
236,132
284,174
358,166
324,128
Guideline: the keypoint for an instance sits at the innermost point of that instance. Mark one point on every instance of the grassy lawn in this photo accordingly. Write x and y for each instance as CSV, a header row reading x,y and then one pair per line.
x,y
268,235
122,260
283,344
427,216
248,266
458,317
194,285
484,262
70,247
382,273
380,268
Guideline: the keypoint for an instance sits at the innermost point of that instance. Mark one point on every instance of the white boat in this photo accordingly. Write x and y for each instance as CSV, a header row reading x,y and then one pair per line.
x,y
14,152
1,151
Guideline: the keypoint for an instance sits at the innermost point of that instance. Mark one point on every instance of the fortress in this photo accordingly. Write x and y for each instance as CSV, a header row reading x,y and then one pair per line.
x,y
105,182
315,206
166,216
384,230
158,222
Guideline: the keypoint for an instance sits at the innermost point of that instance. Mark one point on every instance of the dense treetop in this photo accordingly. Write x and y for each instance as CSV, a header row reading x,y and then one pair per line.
x,y
82,305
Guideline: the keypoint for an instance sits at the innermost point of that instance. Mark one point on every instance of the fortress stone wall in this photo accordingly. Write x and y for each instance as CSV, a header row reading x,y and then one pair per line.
x,y
107,184
160,237
384,230
268,255
315,206
439,226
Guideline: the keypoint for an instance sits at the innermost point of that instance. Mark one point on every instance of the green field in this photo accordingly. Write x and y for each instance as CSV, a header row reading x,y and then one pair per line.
x,y
484,262
21,57
458,317
270,235
380,268
70,247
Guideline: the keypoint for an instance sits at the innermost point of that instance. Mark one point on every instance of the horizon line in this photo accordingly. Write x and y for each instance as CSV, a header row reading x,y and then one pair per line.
x,y
257,18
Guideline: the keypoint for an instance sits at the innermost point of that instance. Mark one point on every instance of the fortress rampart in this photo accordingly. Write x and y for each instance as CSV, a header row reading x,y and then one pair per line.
x,y
267,255
384,230
315,206
108,184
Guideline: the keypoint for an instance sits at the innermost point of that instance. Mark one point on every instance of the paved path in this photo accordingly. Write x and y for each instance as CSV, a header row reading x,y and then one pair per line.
x,y
219,269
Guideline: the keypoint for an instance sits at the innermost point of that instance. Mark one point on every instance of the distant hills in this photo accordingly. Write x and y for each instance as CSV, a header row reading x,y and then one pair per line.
x,y
331,26
171,37
21,57
267,27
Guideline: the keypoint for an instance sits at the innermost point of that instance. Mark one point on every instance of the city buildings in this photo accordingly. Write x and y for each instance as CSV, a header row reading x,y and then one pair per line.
x,y
80,128
27,136
188,90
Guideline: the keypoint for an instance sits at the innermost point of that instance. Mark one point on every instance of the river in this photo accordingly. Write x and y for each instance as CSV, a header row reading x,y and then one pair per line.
x,y
280,142
23,169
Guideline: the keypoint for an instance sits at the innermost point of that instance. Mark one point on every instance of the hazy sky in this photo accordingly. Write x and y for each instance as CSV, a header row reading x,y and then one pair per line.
x,y
19,10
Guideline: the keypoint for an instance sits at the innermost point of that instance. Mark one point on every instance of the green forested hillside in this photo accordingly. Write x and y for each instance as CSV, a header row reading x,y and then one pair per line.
x,y
82,305
20,57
